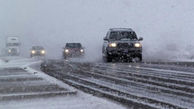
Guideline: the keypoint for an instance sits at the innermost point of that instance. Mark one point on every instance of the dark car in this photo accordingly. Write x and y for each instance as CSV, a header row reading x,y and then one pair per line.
x,y
37,51
73,50
122,43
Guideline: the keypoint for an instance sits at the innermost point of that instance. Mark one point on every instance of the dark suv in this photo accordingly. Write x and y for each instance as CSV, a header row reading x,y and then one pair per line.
x,y
73,50
122,43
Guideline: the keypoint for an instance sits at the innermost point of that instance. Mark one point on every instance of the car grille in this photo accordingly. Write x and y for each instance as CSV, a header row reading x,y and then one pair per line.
x,y
38,52
123,45
13,50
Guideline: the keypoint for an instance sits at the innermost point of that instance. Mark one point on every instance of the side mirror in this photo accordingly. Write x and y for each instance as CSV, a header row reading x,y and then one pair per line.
x,y
105,39
140,39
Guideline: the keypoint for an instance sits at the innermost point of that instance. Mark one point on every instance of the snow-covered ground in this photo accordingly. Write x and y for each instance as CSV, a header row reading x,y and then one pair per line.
x,y
81,101
78,101
20,62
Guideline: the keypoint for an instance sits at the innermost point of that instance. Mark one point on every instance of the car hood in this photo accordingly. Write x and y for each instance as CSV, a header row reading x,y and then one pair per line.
x,y
38,50
124,41
74,48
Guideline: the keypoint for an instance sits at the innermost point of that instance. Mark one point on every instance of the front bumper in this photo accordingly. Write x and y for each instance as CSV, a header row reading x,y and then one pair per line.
x,y
129,52
13,54
77,54
37,54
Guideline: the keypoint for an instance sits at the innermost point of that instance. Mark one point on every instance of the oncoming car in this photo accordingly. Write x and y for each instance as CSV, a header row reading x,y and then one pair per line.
x,y
37,51
122,43
73,50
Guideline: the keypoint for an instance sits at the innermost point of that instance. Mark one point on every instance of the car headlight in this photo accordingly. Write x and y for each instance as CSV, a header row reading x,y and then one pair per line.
x,y
66,51
43,52
112,45
138,45
81,50
33,51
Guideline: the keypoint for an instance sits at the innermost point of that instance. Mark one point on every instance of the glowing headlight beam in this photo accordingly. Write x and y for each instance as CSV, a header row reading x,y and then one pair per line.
x,y
33,51
43,52
82,50
112,45
66,51
137,45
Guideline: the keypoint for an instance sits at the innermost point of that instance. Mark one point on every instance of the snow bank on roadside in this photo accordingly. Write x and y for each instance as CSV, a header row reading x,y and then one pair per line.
x,y
16,62
68,102
34,67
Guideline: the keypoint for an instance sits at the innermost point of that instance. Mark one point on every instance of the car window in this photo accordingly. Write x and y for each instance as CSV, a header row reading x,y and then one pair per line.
x,y
12,44
73,45
123,35
37,48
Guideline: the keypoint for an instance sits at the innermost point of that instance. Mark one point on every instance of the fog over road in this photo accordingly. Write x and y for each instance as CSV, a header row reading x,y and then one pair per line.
x,y
166,25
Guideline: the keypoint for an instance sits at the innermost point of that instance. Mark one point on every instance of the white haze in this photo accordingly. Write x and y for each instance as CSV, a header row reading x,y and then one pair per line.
x,y
166,25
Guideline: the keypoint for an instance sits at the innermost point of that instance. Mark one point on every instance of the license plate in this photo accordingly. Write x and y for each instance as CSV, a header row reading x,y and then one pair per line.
x,y
126,50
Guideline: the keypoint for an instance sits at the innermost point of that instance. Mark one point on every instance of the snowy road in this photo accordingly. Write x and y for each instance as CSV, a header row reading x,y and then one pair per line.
x,y
140,85
22,87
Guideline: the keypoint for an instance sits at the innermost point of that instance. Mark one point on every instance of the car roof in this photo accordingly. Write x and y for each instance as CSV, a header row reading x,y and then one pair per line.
x,y
121,29
73,43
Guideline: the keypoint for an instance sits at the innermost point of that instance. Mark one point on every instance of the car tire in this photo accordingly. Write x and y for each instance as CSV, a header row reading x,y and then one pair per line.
x,y
137,58
140,58
108,59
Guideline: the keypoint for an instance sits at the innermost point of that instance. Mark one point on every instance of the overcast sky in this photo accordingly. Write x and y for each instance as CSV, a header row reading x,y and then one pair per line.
x,y
52,23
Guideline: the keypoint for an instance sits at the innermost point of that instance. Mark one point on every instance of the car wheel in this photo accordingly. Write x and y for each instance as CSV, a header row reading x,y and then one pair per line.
x,y
137,59
140,58
108,59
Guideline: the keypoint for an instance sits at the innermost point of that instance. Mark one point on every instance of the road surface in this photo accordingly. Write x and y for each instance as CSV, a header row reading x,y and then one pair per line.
x,y
136,85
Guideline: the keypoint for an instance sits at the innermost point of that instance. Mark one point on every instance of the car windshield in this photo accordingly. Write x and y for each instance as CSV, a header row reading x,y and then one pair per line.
x,y
125,35
73,45
37,48
12,44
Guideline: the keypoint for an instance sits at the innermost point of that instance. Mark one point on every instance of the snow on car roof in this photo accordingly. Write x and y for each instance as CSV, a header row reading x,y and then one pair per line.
x,y
121,29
